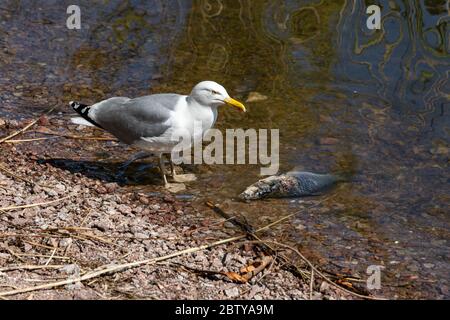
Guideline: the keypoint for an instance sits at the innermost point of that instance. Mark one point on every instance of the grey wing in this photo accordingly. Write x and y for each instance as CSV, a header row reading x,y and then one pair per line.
x,y
131,119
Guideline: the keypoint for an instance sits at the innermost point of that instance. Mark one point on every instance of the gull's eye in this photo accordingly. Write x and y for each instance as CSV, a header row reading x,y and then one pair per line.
x,y
214,92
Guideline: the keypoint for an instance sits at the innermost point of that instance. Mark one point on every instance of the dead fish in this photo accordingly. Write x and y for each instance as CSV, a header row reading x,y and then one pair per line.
x,y
291,184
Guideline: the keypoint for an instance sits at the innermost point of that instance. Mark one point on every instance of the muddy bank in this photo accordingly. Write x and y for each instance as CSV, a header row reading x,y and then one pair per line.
x,y
89,218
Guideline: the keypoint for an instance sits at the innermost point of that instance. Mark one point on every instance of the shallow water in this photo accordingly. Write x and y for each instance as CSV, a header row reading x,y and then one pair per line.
x,y
345,98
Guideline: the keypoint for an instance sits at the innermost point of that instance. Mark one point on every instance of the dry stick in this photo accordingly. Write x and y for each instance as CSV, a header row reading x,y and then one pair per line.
x,y
313,268
26,127
39,245
43,256
33,204
290,266
51,257
121,267
68,136
311,284
31,267
29,140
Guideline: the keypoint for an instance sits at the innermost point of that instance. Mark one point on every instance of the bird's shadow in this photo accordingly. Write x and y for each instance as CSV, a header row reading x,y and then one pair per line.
x,y
137,173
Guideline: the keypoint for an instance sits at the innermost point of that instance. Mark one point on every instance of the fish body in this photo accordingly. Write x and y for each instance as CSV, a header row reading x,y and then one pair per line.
x,y
290,184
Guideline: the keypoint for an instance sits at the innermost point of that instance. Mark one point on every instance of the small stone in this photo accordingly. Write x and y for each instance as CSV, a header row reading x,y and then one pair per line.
x,y
43,121
428,265
124,209
140,235
74,286
324,287
232,293
143,200
60,187
111,187
71,269
228,224
169,199
155,207
52,193
27,247
413,268
63,216
102,190
63,243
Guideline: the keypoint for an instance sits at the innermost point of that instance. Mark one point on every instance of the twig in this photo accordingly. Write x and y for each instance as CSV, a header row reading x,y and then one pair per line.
x,y
43,256
39,245
292,267
31,267
313,268
68,136
29,140
51,257
15,254
311,283
122,267
33,205
26,127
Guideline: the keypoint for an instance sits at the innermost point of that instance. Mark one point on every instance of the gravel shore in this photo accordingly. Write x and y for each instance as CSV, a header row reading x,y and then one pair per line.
x,y
93,223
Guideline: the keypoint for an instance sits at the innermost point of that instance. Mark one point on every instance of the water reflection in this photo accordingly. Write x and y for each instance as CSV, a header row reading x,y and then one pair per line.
x,y
345,98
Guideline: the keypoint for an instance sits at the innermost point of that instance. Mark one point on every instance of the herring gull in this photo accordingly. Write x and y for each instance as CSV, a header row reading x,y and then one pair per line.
x,y
149,122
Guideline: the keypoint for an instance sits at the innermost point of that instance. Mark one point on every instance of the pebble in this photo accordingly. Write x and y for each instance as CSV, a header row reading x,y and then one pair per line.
x,y
232,293
71,269
413,268
63,243
124,209
143,200
111,187
324,286
228,224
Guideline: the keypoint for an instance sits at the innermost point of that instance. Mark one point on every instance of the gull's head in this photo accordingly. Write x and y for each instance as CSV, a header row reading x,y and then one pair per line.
x,y
212,94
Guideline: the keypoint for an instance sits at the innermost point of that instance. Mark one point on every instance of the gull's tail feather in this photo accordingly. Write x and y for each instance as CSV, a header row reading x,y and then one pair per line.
x,y
83,111
81,121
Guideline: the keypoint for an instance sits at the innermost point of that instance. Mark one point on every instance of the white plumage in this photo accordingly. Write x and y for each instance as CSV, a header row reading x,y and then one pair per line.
x,y
151,122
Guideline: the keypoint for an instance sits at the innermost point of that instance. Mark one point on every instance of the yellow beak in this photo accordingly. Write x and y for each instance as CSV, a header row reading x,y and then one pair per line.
x,y
235,103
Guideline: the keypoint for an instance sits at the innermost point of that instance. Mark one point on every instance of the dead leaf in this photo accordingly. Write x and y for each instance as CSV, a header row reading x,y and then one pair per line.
x,y
247,269
235,277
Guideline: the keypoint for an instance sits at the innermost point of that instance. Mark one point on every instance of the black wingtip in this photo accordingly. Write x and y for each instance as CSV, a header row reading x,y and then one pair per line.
x,y
73,104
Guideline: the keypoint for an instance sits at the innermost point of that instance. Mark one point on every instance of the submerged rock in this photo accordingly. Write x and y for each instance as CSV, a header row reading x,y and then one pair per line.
x,y
290,184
